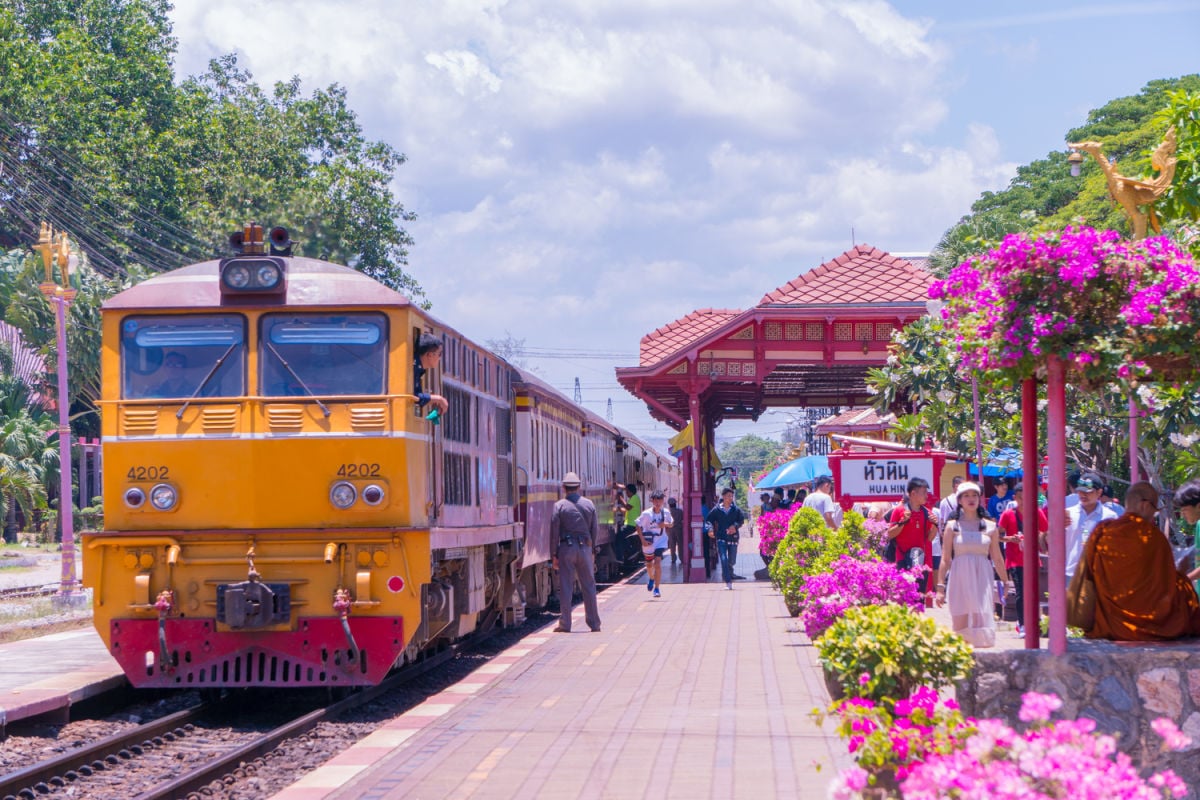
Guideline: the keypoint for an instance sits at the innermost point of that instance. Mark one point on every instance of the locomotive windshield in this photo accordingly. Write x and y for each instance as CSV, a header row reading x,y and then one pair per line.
x,y
323,354
181,356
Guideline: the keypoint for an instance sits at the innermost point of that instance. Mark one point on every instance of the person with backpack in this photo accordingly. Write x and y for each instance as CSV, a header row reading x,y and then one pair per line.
x,y
912,528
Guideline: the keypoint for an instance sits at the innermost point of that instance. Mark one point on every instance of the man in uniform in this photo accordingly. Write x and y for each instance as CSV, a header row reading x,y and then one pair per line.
x,y
574,530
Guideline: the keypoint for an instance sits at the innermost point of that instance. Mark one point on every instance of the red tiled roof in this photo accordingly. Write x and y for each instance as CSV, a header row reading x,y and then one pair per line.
x,y
855,419
863,274
660,343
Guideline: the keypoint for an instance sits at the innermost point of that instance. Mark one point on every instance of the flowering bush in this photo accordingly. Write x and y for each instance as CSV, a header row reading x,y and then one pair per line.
x,y
942,755
887,738
854,582
889,650
877,539
772,527
1102,303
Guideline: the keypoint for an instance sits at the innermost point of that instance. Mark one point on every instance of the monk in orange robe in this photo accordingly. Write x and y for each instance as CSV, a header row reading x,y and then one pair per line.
x,y
1140,595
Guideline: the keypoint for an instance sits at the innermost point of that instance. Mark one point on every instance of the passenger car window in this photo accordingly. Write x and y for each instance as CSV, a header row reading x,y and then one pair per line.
x,y
179,356
323,354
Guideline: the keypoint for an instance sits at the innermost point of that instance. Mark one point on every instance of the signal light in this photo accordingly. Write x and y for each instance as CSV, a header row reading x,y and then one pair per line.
x,y
343,494
135,497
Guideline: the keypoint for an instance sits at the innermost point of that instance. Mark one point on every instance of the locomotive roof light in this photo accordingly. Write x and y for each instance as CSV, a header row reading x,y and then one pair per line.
x,y
252,271
373,494
164,497
135,497
343,494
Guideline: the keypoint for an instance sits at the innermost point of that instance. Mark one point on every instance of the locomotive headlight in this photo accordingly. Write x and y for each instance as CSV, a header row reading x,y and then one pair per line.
x,y
267,276
135,497
343,494
237,276
373,494
164,497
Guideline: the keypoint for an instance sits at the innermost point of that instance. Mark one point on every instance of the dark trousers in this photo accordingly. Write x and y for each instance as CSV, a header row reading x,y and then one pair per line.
x,y
727,553
1017,576
575,563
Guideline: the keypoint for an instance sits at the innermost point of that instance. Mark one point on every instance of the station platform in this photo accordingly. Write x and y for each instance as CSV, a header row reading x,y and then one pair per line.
x,y
702,693
51,673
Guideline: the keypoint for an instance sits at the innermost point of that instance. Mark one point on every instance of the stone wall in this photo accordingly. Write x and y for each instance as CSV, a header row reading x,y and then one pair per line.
x,y
1123,687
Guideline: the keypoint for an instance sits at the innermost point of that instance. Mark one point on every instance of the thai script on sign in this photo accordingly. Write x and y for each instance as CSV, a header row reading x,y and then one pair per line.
x,y
890,470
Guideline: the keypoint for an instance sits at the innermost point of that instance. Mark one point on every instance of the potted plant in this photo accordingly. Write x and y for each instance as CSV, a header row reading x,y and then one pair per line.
x,y
856,582
809,547
889,651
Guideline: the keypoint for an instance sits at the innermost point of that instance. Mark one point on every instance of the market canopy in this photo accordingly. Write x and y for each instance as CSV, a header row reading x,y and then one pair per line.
x,y
801,470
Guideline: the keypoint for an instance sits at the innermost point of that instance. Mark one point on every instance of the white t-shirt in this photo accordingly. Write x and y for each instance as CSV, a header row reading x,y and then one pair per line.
x,y
822,503
657,523
1079,529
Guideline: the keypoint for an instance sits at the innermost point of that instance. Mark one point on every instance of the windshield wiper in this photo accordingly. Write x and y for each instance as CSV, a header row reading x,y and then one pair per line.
x,y
292,372
207,378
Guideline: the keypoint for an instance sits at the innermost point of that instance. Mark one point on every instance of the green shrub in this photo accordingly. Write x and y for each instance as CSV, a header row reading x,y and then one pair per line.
x,y
798,554
888,651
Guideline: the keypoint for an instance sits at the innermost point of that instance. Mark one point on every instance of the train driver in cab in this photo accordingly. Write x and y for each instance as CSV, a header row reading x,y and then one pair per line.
x,y
428,354
175,382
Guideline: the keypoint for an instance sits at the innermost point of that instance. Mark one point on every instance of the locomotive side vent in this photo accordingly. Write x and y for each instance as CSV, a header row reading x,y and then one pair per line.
x,y
368,418
285,418
139,420
220,420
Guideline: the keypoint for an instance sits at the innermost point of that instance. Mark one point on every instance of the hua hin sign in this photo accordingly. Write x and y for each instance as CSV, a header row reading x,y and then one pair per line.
x,y
865,477
884,477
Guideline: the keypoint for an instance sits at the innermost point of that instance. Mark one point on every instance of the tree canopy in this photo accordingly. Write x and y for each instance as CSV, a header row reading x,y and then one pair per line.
x,y
1044,196
98,138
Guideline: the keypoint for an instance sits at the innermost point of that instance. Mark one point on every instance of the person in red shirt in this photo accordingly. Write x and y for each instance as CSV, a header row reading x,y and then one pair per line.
x,y
1012,534
913,526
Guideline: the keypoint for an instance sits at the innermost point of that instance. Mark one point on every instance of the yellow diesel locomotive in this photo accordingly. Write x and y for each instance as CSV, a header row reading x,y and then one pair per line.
x,y
279,509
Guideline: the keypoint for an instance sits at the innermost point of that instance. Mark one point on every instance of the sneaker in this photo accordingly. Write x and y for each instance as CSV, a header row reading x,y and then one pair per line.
x,y
650,585
657,593
729,585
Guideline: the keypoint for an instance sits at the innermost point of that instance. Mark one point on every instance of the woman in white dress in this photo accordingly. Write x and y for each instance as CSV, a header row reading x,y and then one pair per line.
x,y
971,544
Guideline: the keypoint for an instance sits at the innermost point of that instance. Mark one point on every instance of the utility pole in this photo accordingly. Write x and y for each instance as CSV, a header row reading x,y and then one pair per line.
x,y
57,251
578,392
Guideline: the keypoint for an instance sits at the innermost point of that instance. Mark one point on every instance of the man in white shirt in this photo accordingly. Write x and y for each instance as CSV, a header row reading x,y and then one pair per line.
x,y
1083,517
822,501
654,524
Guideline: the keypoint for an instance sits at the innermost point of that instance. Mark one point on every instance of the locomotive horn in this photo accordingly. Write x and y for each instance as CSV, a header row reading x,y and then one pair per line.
x,y
236,240
281,242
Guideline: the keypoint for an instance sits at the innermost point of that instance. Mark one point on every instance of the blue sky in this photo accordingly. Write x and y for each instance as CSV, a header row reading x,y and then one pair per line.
x,y
587,171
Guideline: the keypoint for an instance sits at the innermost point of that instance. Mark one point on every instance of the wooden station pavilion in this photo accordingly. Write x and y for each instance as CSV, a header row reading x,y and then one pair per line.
x,y
807,343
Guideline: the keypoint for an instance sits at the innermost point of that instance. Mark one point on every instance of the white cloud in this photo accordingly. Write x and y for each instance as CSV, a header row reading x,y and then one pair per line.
x,y
584,172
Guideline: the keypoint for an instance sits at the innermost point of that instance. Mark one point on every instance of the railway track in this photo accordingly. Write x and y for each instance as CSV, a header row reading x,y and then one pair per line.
x,y
93,770
28,592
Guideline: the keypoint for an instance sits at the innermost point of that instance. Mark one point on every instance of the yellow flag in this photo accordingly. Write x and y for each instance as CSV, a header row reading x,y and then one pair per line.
x,y
682,439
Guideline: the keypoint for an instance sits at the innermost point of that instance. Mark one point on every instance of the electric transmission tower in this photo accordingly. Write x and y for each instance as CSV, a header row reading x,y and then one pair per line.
x,y
609,412
578,392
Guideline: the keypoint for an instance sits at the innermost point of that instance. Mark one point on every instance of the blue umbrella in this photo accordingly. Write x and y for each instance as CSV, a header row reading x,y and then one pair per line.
x,y
802,470
1002,463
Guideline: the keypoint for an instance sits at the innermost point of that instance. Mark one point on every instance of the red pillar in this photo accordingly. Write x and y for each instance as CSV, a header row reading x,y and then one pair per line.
x,y
694,494
1029,511
1056,438
1134,475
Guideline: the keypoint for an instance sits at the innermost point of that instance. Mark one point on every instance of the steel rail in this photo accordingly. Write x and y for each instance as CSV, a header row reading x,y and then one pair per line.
x,y
95,756
195,780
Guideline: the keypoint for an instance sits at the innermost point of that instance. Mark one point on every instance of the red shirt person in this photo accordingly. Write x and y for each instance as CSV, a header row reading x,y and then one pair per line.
x,y
913,526
1012,534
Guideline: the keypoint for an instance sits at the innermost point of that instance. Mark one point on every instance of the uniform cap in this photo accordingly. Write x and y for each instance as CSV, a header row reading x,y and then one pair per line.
x,y
571,479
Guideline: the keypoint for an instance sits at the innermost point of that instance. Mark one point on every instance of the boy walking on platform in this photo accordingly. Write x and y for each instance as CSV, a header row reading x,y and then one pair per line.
x,y
653,524
726,519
